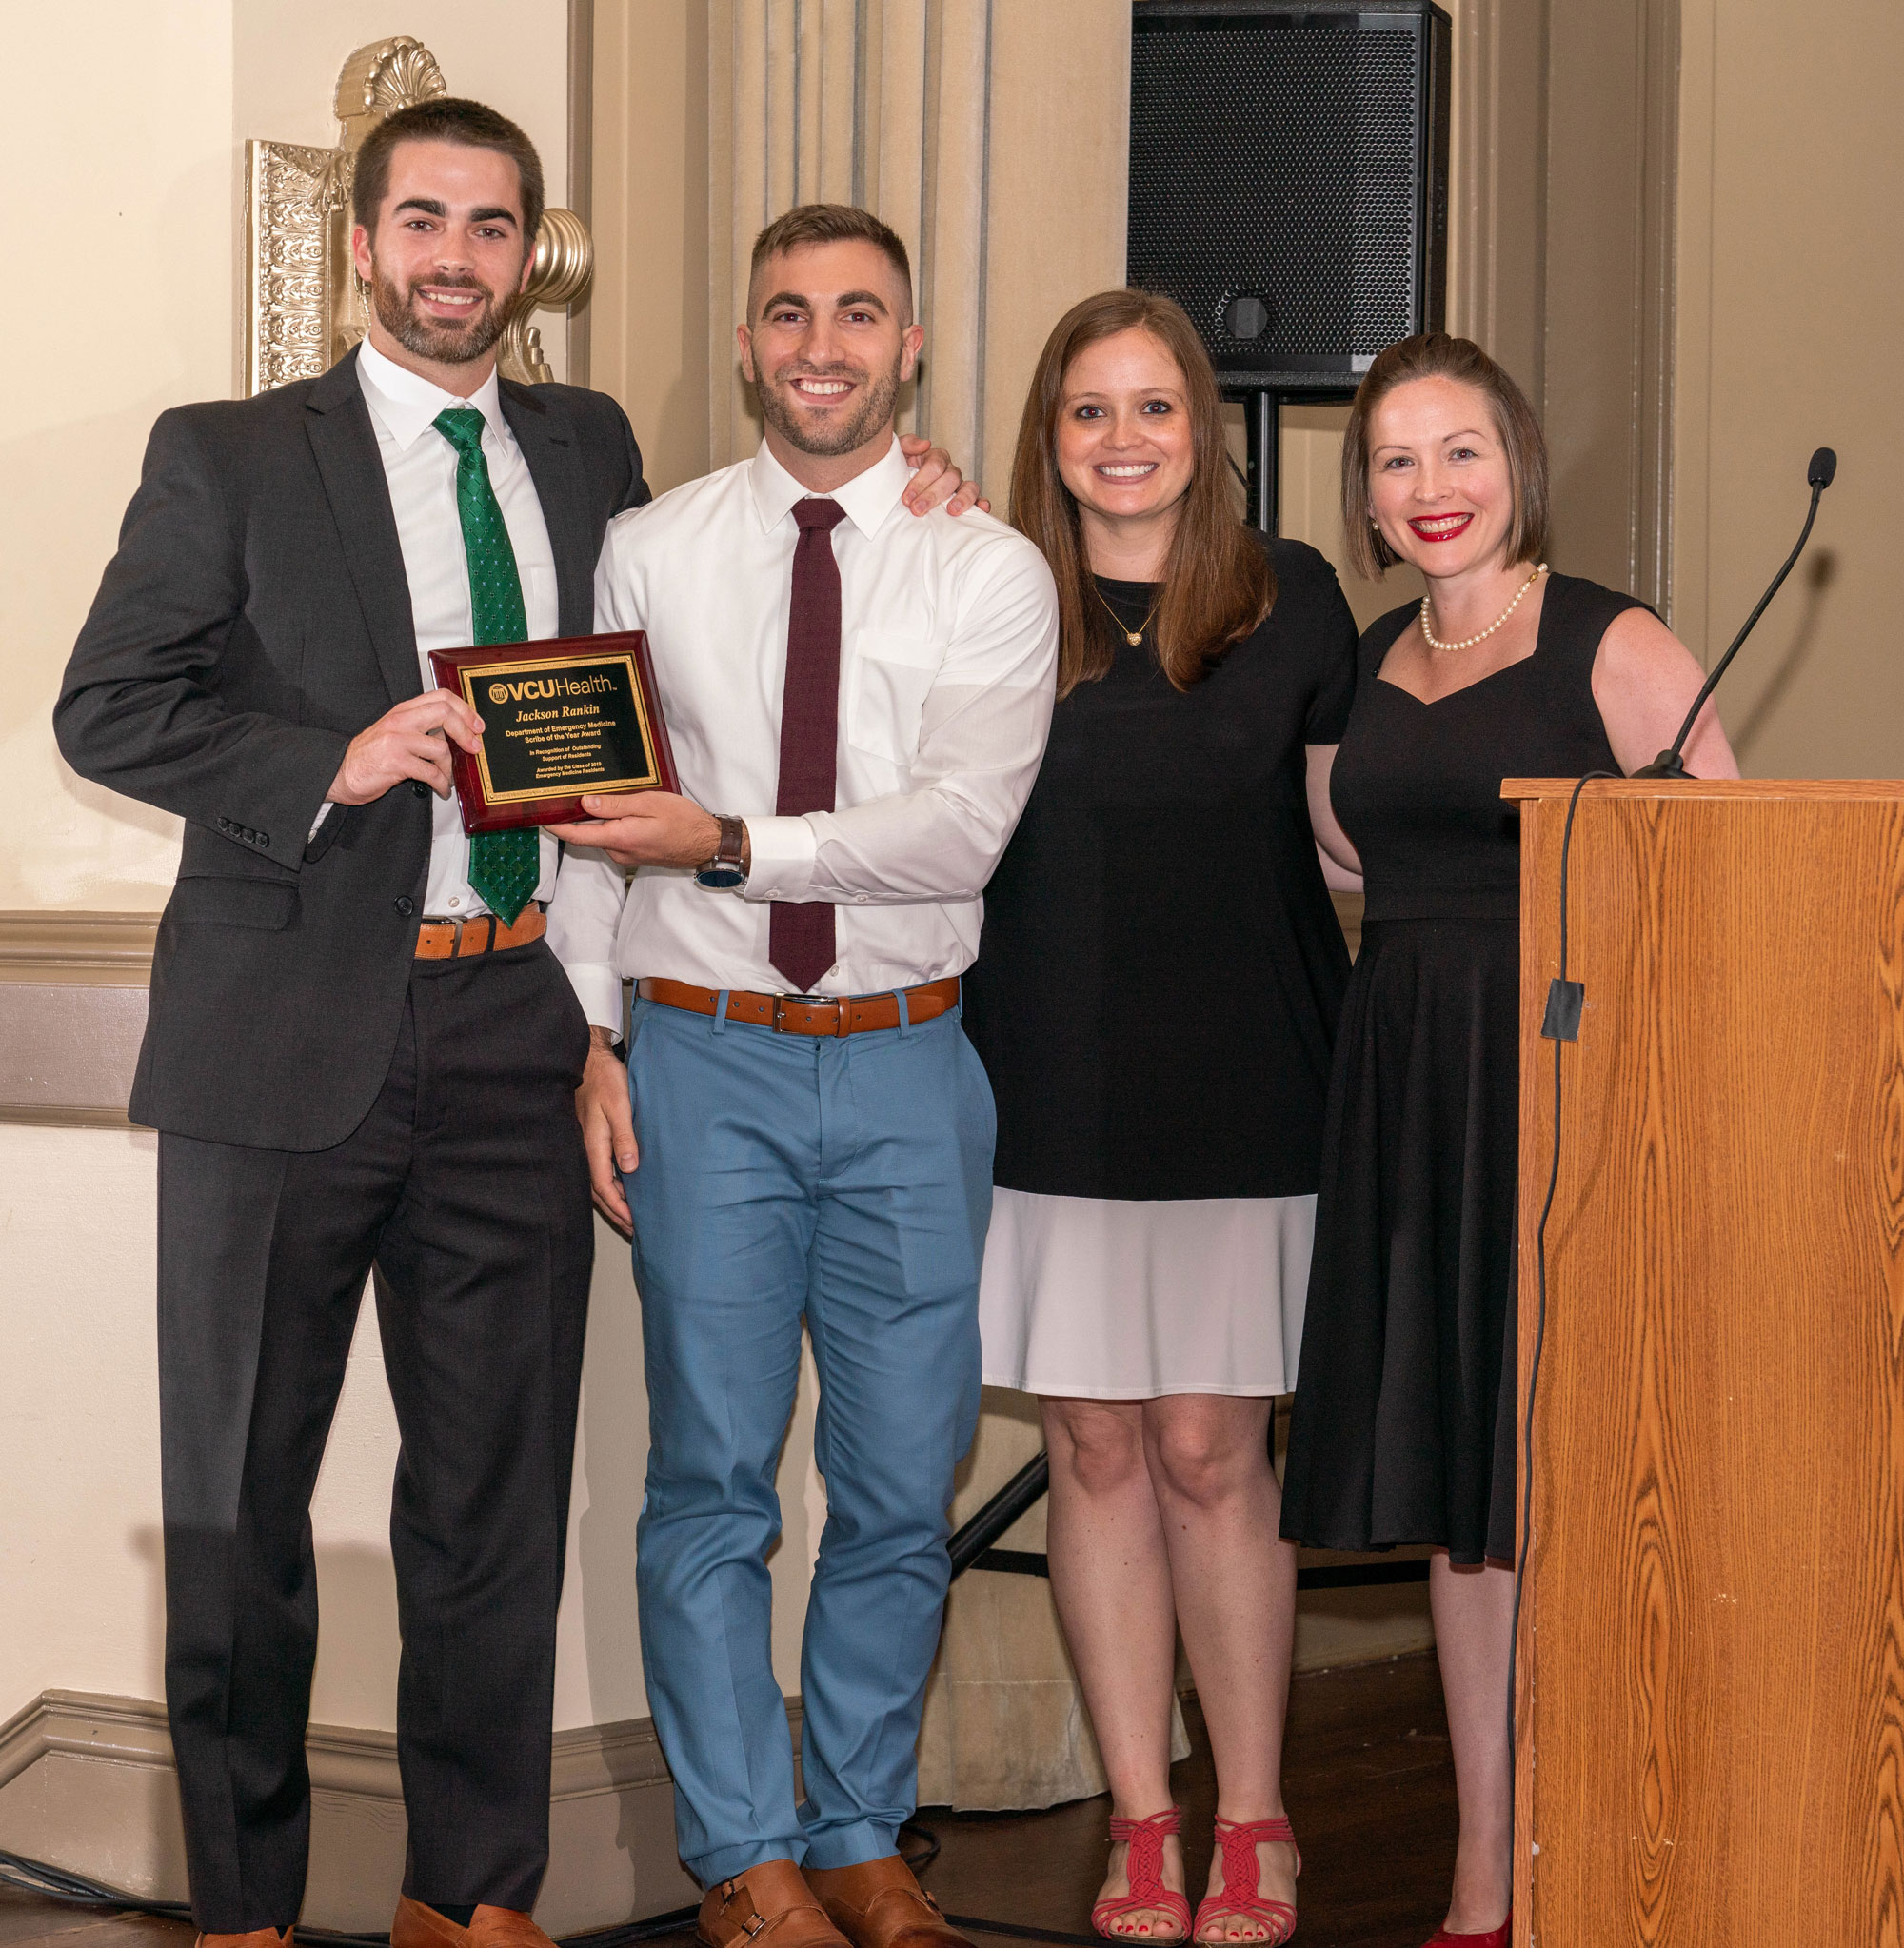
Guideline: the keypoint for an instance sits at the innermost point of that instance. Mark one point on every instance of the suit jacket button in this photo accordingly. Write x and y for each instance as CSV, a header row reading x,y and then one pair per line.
x,y
406,905
264,840
419,790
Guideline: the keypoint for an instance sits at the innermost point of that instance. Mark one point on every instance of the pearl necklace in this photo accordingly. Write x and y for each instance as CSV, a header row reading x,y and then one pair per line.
x,y
1435,641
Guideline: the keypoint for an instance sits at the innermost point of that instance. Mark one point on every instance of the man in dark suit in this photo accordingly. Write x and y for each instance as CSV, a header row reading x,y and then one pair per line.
x,y
360,1050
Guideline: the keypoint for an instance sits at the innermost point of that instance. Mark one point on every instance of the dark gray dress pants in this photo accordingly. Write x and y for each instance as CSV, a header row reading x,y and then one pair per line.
x,y
467,1187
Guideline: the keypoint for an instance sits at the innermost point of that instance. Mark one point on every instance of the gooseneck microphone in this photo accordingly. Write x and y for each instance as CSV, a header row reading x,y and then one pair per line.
x,y
1668,764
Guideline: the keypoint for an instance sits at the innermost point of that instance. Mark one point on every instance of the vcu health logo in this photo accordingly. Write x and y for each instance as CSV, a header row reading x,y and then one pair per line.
x,y
550,688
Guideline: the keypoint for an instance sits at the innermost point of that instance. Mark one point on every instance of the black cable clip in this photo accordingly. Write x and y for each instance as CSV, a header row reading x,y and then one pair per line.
x,y
1561,1022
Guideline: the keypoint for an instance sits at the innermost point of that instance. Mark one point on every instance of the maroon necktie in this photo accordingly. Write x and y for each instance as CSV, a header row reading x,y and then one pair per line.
x,y
799,934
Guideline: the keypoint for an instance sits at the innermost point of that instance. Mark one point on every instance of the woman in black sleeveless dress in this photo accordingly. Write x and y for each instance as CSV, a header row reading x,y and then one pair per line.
x,y
1404,1427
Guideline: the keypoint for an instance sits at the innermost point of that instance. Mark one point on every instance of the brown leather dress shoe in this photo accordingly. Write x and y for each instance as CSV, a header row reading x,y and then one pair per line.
x,y
420,1926
877,1905
768,1905
258,1938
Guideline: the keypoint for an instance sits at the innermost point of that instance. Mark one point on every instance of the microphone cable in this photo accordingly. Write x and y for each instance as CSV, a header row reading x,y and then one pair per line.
x,y
1559,1025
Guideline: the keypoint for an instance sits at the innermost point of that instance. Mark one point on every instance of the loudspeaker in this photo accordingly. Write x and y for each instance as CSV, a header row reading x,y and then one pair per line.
x,y
1288,180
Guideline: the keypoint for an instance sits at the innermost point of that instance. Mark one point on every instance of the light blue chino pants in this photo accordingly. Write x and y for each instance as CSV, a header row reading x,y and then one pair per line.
x,y
848,1182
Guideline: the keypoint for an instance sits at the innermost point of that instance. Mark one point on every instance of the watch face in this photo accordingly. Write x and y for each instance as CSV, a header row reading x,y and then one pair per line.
x,y
720,878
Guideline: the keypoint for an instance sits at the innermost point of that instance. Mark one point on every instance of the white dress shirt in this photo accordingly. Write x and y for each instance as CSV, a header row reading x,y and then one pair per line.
x,y
419,465
947,661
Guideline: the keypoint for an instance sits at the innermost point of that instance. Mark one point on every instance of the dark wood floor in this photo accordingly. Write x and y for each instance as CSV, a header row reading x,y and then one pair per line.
x,y
27,1917
1370,1788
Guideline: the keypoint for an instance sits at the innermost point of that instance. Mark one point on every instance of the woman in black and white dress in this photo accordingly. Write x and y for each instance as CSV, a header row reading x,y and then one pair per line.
x,y
1155,999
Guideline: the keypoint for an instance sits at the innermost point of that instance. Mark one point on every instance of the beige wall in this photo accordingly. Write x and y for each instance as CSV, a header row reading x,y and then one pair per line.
x,y
80,1603
131,236
1791,322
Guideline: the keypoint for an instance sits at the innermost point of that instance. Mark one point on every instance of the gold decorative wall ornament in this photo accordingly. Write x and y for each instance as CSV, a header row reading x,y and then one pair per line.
x,y
305,304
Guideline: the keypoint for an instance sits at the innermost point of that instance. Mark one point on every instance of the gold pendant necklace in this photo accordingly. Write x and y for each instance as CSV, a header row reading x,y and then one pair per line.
x,y
1136,641
1435,641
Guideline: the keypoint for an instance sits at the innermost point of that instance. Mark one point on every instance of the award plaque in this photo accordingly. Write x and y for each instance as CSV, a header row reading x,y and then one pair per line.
x,y
574,714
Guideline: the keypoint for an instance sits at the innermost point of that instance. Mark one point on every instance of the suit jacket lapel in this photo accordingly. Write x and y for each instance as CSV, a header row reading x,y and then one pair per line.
x,y
555,466
344,444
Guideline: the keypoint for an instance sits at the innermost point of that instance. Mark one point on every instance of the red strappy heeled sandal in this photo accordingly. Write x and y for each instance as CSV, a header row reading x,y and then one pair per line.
x,y
1143,1872
1495,1938
1240,1840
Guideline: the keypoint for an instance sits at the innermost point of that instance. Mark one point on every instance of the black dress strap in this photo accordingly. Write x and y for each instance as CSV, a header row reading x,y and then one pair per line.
x,y
1380,637
1575,616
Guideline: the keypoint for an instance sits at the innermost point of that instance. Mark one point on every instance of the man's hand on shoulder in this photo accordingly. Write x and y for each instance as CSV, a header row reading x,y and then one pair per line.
x,y
645,828
607,1129
935,481
410,740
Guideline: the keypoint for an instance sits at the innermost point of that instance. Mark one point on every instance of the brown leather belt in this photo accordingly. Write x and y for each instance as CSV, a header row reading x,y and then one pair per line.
x,y
455,939
801,1014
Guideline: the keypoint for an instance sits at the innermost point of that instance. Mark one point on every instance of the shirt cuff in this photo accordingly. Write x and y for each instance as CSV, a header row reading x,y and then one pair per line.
x,y
782,850
323,813
598,987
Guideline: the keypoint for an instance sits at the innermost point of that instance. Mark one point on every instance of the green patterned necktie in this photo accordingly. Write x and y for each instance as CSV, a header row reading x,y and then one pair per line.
x,y
505,868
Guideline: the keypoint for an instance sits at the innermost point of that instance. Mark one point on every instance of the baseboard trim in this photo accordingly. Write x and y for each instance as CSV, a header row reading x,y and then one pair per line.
x,y
55,944
86,1783
73,1013
79,1724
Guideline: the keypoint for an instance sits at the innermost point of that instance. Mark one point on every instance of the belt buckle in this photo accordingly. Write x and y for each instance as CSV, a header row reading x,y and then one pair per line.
x,y
809,1001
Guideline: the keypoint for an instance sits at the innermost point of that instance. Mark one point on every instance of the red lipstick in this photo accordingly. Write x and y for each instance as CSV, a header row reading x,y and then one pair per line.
x,y
1428,528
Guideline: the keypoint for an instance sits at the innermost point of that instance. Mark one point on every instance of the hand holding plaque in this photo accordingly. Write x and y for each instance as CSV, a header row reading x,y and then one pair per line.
x,y
560,718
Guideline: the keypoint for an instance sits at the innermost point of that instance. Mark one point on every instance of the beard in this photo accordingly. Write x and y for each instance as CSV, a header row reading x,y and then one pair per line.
x,y
441,342
780,408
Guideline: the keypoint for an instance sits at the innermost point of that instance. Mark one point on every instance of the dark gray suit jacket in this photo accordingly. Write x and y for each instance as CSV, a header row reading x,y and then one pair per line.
x,y
255,618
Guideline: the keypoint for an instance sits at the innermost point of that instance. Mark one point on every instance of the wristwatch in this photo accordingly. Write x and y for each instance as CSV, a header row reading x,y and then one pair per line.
x,y
726,870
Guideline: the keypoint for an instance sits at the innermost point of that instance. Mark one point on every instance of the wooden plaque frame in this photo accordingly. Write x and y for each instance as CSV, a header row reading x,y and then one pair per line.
x,y
569,674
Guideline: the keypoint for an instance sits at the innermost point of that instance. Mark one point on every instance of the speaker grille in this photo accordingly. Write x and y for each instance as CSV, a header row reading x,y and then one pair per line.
x,y
1280,157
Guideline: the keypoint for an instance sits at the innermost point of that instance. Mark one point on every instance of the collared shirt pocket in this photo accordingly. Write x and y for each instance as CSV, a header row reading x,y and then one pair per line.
x,y
893,674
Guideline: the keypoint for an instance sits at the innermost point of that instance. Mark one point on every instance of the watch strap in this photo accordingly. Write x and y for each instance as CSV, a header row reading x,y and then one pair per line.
x,y
726,870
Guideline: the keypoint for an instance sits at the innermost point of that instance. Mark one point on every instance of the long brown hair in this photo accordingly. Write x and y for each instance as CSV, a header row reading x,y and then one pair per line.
x,y
1436,355
1217,583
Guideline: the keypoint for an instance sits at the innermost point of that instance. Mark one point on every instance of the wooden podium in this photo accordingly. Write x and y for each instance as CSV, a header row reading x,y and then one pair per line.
x,y
1710,1686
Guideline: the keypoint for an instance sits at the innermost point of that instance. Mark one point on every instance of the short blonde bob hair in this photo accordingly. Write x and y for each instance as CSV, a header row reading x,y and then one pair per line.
x,y
1436,355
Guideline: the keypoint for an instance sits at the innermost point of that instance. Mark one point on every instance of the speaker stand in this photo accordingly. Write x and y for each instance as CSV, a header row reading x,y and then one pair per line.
x,y
1261,426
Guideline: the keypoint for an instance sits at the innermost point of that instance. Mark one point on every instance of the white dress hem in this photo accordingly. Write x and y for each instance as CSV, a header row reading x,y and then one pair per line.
x,y
1126,1299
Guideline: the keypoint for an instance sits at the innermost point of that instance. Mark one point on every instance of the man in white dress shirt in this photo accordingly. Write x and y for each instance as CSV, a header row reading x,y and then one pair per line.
x,y
858,704
360,1050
